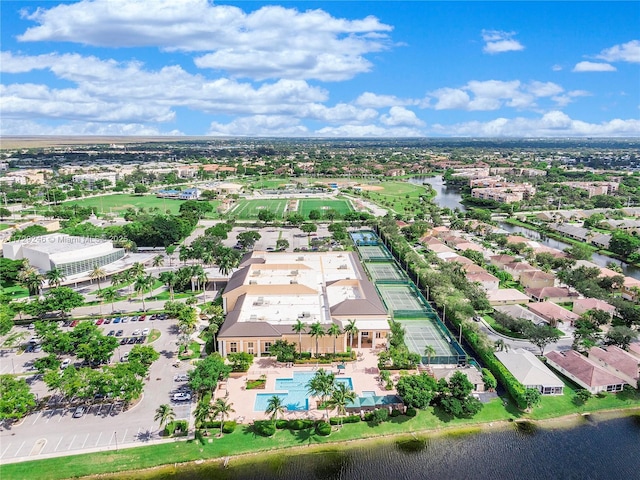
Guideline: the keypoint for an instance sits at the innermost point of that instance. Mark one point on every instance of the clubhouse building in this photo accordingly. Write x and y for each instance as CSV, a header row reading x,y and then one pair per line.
x,y
270,292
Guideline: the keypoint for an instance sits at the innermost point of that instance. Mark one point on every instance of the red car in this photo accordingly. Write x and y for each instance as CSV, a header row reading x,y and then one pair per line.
x,y
74,323
142,318
100,321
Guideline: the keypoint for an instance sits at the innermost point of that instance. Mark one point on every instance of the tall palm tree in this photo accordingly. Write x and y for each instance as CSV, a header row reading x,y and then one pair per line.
x,y
322,385
31,279
184,253
335,332
275,407
158,261
98,273
352,330
202,413
340,396
164,414
316,331
55,277
109,295
227,260
169,279
429,351
299,327
169,250
142,284
137,269
223,408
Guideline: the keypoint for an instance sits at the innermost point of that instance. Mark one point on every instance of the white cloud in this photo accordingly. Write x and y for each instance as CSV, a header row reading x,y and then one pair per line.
x,y
261,126
27,127
271,42
497,41
563,100
367,131
400,116
551,124
556,68
492,95
627,52
593,67
373,100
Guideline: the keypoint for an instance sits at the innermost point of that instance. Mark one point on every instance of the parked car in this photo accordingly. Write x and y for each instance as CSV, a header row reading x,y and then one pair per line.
x,y
65,363
124,319
132,340
111,333
145,332
37,348
119,333
142,318
181,397
125,357
140,340
74,323
124,341
31,326
116,320
136,333
100,321
79,411
182,377
107,321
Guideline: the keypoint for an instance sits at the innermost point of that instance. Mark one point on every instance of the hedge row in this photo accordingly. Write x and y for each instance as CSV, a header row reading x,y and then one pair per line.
x,y
228,427
177,426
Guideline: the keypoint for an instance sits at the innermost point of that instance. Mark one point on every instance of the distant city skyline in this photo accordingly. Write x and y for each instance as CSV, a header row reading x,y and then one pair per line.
x,y
320,69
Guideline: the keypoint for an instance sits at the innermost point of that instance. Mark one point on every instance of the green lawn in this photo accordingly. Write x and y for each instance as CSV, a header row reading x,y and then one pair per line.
x,y
249,209
4,226
306,205
15,292
401,197
118,203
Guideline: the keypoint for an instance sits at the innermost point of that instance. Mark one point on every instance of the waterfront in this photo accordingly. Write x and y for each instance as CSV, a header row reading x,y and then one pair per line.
x,y
594,448
446,197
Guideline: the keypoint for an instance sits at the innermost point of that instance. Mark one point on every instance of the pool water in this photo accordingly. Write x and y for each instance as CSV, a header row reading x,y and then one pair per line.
x,y
368,393
293,392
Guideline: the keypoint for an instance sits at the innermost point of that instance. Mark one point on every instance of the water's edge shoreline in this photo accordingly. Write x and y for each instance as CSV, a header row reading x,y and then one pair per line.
x,y
565,421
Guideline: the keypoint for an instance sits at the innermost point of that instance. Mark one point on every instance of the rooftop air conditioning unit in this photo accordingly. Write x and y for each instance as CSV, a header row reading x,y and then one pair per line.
x,y
300,259
292,282
306,314
252,282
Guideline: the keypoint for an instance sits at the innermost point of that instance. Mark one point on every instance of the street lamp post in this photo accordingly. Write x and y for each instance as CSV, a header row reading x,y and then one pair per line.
x,y
116,435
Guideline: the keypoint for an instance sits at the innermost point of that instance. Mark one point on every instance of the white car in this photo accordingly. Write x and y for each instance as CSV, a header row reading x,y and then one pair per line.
x,y
125,357
136,333
65,363
181,397
145,332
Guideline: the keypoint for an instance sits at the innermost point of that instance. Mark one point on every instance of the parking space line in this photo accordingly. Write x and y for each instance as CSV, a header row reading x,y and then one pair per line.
x,y
72,440
111,439
61,415
85,440
124,437
59,441
53,412
18,451
5,450
37,417
98,441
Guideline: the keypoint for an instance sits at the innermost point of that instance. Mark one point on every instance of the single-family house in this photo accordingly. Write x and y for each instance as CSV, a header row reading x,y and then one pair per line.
x,y
634,349
440,248
553,313
601,240
630,288
485,279
501,260
462,246
581,305
518,311
506,296
584,372
473,375
536,279
551,294
515,269
617,361
472,268
530,371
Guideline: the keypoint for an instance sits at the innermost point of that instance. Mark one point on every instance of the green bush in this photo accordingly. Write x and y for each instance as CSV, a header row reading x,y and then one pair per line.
x,y
182,426
169,428
300,424
323,429
348,419
411,412
282,424
264,428
395,412
379,416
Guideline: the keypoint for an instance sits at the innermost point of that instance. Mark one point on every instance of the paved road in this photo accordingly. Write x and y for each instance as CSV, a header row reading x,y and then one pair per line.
x,y
563,344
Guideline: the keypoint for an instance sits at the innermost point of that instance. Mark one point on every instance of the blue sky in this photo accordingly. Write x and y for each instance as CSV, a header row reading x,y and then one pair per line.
x,y
320,69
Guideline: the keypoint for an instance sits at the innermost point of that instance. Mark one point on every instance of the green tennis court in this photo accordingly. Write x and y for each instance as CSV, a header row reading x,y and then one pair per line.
x,y
384,271
423,332
322,205
249,209
401,297
374,252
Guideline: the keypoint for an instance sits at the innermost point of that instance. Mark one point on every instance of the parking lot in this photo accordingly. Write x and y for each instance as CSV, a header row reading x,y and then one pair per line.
x,y
269,236
104,424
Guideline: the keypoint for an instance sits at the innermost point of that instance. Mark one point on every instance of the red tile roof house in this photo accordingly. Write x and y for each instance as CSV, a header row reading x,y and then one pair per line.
x,y
506,296
618,362
581,305
472,268
515,269
553,313
584,372
439,248
630,288
536,279
634,349
485,279
501,260
458,259
551,294
462,246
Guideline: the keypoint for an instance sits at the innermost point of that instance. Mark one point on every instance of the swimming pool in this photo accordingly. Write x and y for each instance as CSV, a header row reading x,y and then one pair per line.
x,y
293,391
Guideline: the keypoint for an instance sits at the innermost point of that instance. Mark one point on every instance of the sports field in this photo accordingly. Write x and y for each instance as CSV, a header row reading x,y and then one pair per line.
x,y
374,252
249,209
308,204
422,332
384,271
120,202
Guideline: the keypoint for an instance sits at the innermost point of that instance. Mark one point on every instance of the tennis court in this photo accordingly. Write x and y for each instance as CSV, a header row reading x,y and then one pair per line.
x,y
422,332
249,209
402,297
384,271
374,252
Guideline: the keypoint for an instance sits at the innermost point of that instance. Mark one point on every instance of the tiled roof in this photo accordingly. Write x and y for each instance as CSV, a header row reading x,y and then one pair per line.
x,y
583,369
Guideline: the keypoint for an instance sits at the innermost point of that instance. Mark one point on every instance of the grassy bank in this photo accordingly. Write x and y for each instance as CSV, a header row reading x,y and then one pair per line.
x,y
244,441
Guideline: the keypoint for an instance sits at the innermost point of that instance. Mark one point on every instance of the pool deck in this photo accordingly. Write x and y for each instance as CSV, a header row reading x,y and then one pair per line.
x,y
363,373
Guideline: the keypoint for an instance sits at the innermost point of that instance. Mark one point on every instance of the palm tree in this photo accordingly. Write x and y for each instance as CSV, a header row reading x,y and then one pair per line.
x,y
335,332
340,396
352,330
108,295
55,277
184,253
275,407
299,327
169,250
169,279
500,345
429,351
223,408
164,414
98,273
322,385
143,283
137,269
31,279
227,261
158,261
202,413
316,330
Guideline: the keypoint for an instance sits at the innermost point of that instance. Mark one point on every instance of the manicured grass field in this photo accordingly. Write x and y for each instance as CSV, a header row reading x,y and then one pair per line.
x,y
249,209
401,197
118,203
306,205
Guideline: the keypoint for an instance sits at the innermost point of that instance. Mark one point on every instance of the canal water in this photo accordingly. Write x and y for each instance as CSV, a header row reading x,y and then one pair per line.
x,y
594,449
445,196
